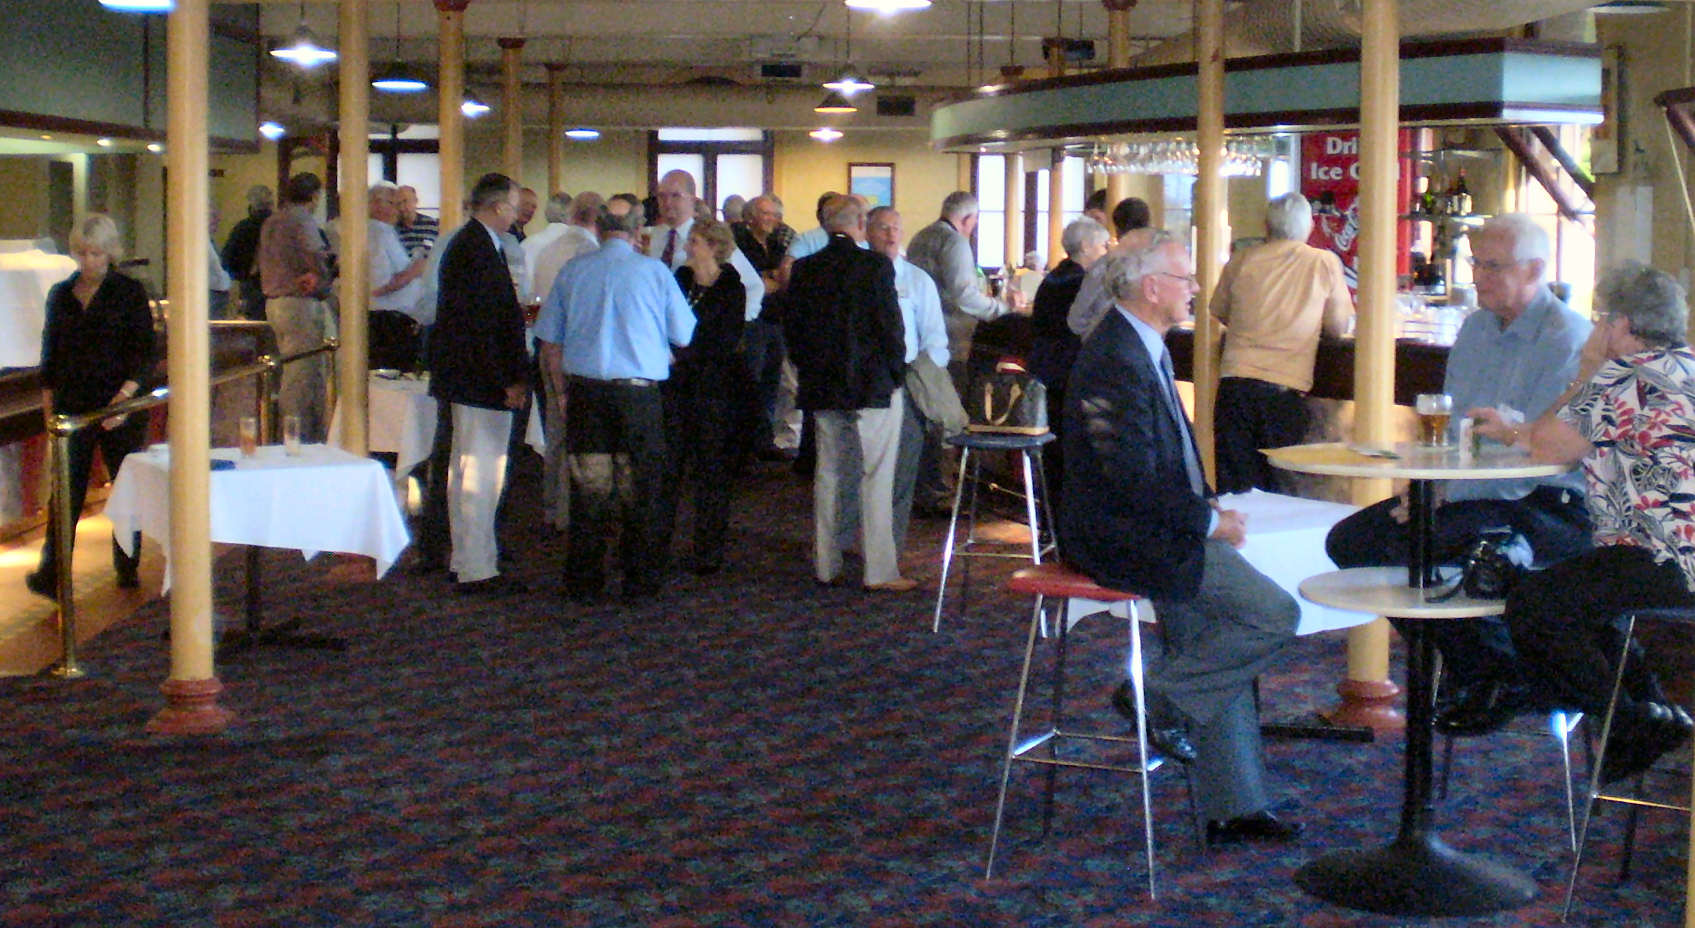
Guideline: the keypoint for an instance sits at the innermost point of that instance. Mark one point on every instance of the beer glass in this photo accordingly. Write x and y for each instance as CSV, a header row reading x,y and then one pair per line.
x,y
1434,409
249,436
291,435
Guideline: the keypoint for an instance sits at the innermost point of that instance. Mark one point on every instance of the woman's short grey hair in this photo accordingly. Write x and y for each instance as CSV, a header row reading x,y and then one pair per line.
x,y
1289,217
1123,274
99,232
1651,300
1081,235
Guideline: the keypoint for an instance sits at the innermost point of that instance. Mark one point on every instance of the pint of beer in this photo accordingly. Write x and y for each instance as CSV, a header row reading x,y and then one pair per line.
x,y
249,436
1433,412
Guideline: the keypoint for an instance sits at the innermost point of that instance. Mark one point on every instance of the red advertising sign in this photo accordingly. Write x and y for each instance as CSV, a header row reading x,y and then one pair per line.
x,y
1330,179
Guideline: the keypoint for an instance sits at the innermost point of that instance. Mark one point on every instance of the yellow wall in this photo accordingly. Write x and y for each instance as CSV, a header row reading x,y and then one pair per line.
x,y
229,192
805,168
23,190
614,163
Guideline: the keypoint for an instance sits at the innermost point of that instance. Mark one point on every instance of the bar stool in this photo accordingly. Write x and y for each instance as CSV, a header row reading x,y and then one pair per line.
x,y
1597,794
972,445
1058,582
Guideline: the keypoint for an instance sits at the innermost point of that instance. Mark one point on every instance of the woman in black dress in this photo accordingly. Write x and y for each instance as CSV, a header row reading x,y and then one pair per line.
x,y
707,381
97,349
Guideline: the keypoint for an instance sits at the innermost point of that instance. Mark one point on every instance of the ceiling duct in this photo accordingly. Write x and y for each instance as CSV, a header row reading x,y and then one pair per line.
x,y
1266,27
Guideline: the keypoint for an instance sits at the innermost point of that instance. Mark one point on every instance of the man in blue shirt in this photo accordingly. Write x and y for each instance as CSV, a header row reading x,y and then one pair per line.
x,y
606,331
1519,354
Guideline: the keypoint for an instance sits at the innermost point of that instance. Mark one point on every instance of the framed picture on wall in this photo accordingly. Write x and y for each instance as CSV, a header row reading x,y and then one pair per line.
x,y
875,181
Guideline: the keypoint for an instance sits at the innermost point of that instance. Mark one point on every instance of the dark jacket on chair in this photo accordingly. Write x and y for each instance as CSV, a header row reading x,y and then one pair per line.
x,y
1128,518
477,346
842,321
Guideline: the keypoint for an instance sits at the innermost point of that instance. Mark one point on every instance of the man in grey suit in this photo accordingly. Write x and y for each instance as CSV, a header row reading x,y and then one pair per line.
x,y
1137,515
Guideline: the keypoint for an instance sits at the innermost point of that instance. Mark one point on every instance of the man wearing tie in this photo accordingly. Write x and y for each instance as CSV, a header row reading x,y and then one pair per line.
x,y
479,373
1137,515
676,216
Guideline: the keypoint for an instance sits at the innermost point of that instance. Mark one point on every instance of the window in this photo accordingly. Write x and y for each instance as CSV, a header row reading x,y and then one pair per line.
x,y
721,161
990,181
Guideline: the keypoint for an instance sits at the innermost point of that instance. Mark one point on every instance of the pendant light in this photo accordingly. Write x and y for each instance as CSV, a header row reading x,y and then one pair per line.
x,y
139,6
473,107
397,78
826,134
835,104
849,83
303,50
888,6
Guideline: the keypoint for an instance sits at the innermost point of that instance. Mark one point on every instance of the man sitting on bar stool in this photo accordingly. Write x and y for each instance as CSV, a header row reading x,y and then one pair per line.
x,y
1521,354
1137,515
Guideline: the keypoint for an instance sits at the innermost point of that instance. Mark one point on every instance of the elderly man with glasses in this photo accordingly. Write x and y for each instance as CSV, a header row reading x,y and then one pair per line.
x,y
1516,357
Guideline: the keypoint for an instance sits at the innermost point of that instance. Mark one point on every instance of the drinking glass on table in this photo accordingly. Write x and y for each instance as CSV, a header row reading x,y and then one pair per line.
x,y
1434,410
249,436
291,435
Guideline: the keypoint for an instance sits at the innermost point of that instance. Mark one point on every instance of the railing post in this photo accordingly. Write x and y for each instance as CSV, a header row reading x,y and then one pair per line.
x,y
64,533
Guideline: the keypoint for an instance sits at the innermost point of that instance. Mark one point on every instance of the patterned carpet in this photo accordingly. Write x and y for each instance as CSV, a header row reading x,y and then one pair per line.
x,y
747,750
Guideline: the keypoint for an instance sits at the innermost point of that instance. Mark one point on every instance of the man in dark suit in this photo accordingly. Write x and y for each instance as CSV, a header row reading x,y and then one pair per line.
x,y
843,326
479,373
1137,515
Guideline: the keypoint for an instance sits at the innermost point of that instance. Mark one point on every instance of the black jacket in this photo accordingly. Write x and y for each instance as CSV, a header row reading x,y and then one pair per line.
x,y
1054,346
477,346
87,354
842,323
1128,518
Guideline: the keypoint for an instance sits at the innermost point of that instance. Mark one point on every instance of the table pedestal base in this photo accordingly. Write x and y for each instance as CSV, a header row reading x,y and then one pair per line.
x,y
1415,875
1367,704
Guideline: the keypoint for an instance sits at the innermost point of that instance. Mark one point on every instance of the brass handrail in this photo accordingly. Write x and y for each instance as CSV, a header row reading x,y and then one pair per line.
x,y
61,427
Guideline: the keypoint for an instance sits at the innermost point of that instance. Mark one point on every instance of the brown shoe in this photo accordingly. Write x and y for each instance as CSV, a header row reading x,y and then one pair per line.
x,y
897,585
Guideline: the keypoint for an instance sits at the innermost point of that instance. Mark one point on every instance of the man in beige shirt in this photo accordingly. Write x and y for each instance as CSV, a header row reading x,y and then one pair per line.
x,y
1274,299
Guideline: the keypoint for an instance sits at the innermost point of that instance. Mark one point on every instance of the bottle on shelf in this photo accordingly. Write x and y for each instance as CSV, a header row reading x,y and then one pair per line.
x,y
1462,195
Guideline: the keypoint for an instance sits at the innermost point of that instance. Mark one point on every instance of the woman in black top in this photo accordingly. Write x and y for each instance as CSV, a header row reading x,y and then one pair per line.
x,y
707,379
97,349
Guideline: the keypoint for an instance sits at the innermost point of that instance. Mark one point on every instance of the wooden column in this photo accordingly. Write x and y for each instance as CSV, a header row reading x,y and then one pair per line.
x,y
1056,207
555,128
354,286
1210,221
1117,56
512,109
963,175
191,692
1367,694
1014,209
450,44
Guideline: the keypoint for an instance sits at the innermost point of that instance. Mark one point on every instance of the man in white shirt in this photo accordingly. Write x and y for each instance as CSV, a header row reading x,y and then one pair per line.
x,y
395,283
558,214
676,217
579,238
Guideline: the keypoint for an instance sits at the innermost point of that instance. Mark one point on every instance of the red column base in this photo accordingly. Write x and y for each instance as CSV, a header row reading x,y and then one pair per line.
x,y
1367,704
191,708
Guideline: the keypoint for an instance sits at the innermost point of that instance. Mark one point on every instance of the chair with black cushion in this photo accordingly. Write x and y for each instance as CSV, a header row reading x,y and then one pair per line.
x,y
1008,414
1642,623
1054,583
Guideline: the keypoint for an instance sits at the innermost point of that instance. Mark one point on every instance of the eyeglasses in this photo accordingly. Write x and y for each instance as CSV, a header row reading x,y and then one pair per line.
x,y
1189,278
1493,267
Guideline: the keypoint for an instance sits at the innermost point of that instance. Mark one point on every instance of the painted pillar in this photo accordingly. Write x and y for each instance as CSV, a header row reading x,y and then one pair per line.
x,y
555,128
512,109
1117,56
191,692
450,44
354,285
1014,209
1211,223
1056,206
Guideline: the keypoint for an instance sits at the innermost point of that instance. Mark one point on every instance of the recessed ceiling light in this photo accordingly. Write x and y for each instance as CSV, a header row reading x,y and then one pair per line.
x,y
155,147
473,107
103,143
888,6
582,134
825,134
272,130
139,6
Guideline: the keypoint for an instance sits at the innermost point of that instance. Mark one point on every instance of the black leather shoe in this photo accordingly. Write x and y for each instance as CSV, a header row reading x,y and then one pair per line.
x,y
1169,740
41,585
1257,826
1485,707
1640,737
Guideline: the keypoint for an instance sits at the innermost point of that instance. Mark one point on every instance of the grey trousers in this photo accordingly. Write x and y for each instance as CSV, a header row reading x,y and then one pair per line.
x,y
299,323
1214,646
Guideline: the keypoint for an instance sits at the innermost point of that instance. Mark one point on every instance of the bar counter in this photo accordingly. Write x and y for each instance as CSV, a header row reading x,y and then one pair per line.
x,y
1418,366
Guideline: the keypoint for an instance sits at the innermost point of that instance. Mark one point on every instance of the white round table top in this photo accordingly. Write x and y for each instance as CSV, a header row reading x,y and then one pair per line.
x,y
1384,591
1410,461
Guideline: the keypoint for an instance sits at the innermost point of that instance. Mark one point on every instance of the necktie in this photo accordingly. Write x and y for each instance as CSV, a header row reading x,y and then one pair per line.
x,y
1191,461
670,248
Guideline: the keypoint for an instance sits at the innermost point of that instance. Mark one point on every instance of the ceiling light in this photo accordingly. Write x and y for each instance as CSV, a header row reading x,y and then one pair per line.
x,y
139,6
825,134
473,107
888,6
849,84
582,134
272,130
46,138
304,51
103,143
155,147
399,79
1623,7
834,103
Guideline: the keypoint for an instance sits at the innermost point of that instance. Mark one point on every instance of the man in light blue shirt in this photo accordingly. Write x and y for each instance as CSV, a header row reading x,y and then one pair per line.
x,y
606,331
1518,352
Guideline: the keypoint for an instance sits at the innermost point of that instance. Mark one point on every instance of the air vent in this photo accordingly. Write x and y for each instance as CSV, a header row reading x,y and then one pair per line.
x,y
782,71
896,105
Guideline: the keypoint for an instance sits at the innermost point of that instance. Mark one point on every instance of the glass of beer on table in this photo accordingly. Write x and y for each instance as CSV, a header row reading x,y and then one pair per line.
x,y
1434,410
249,436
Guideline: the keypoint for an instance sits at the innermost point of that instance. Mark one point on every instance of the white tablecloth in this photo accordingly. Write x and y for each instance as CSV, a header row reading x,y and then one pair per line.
x,y
25,278
324,499
403,421
1286,543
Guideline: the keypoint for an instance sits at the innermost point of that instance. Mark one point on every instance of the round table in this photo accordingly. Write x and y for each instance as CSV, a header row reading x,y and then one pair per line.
x,y
1416,873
